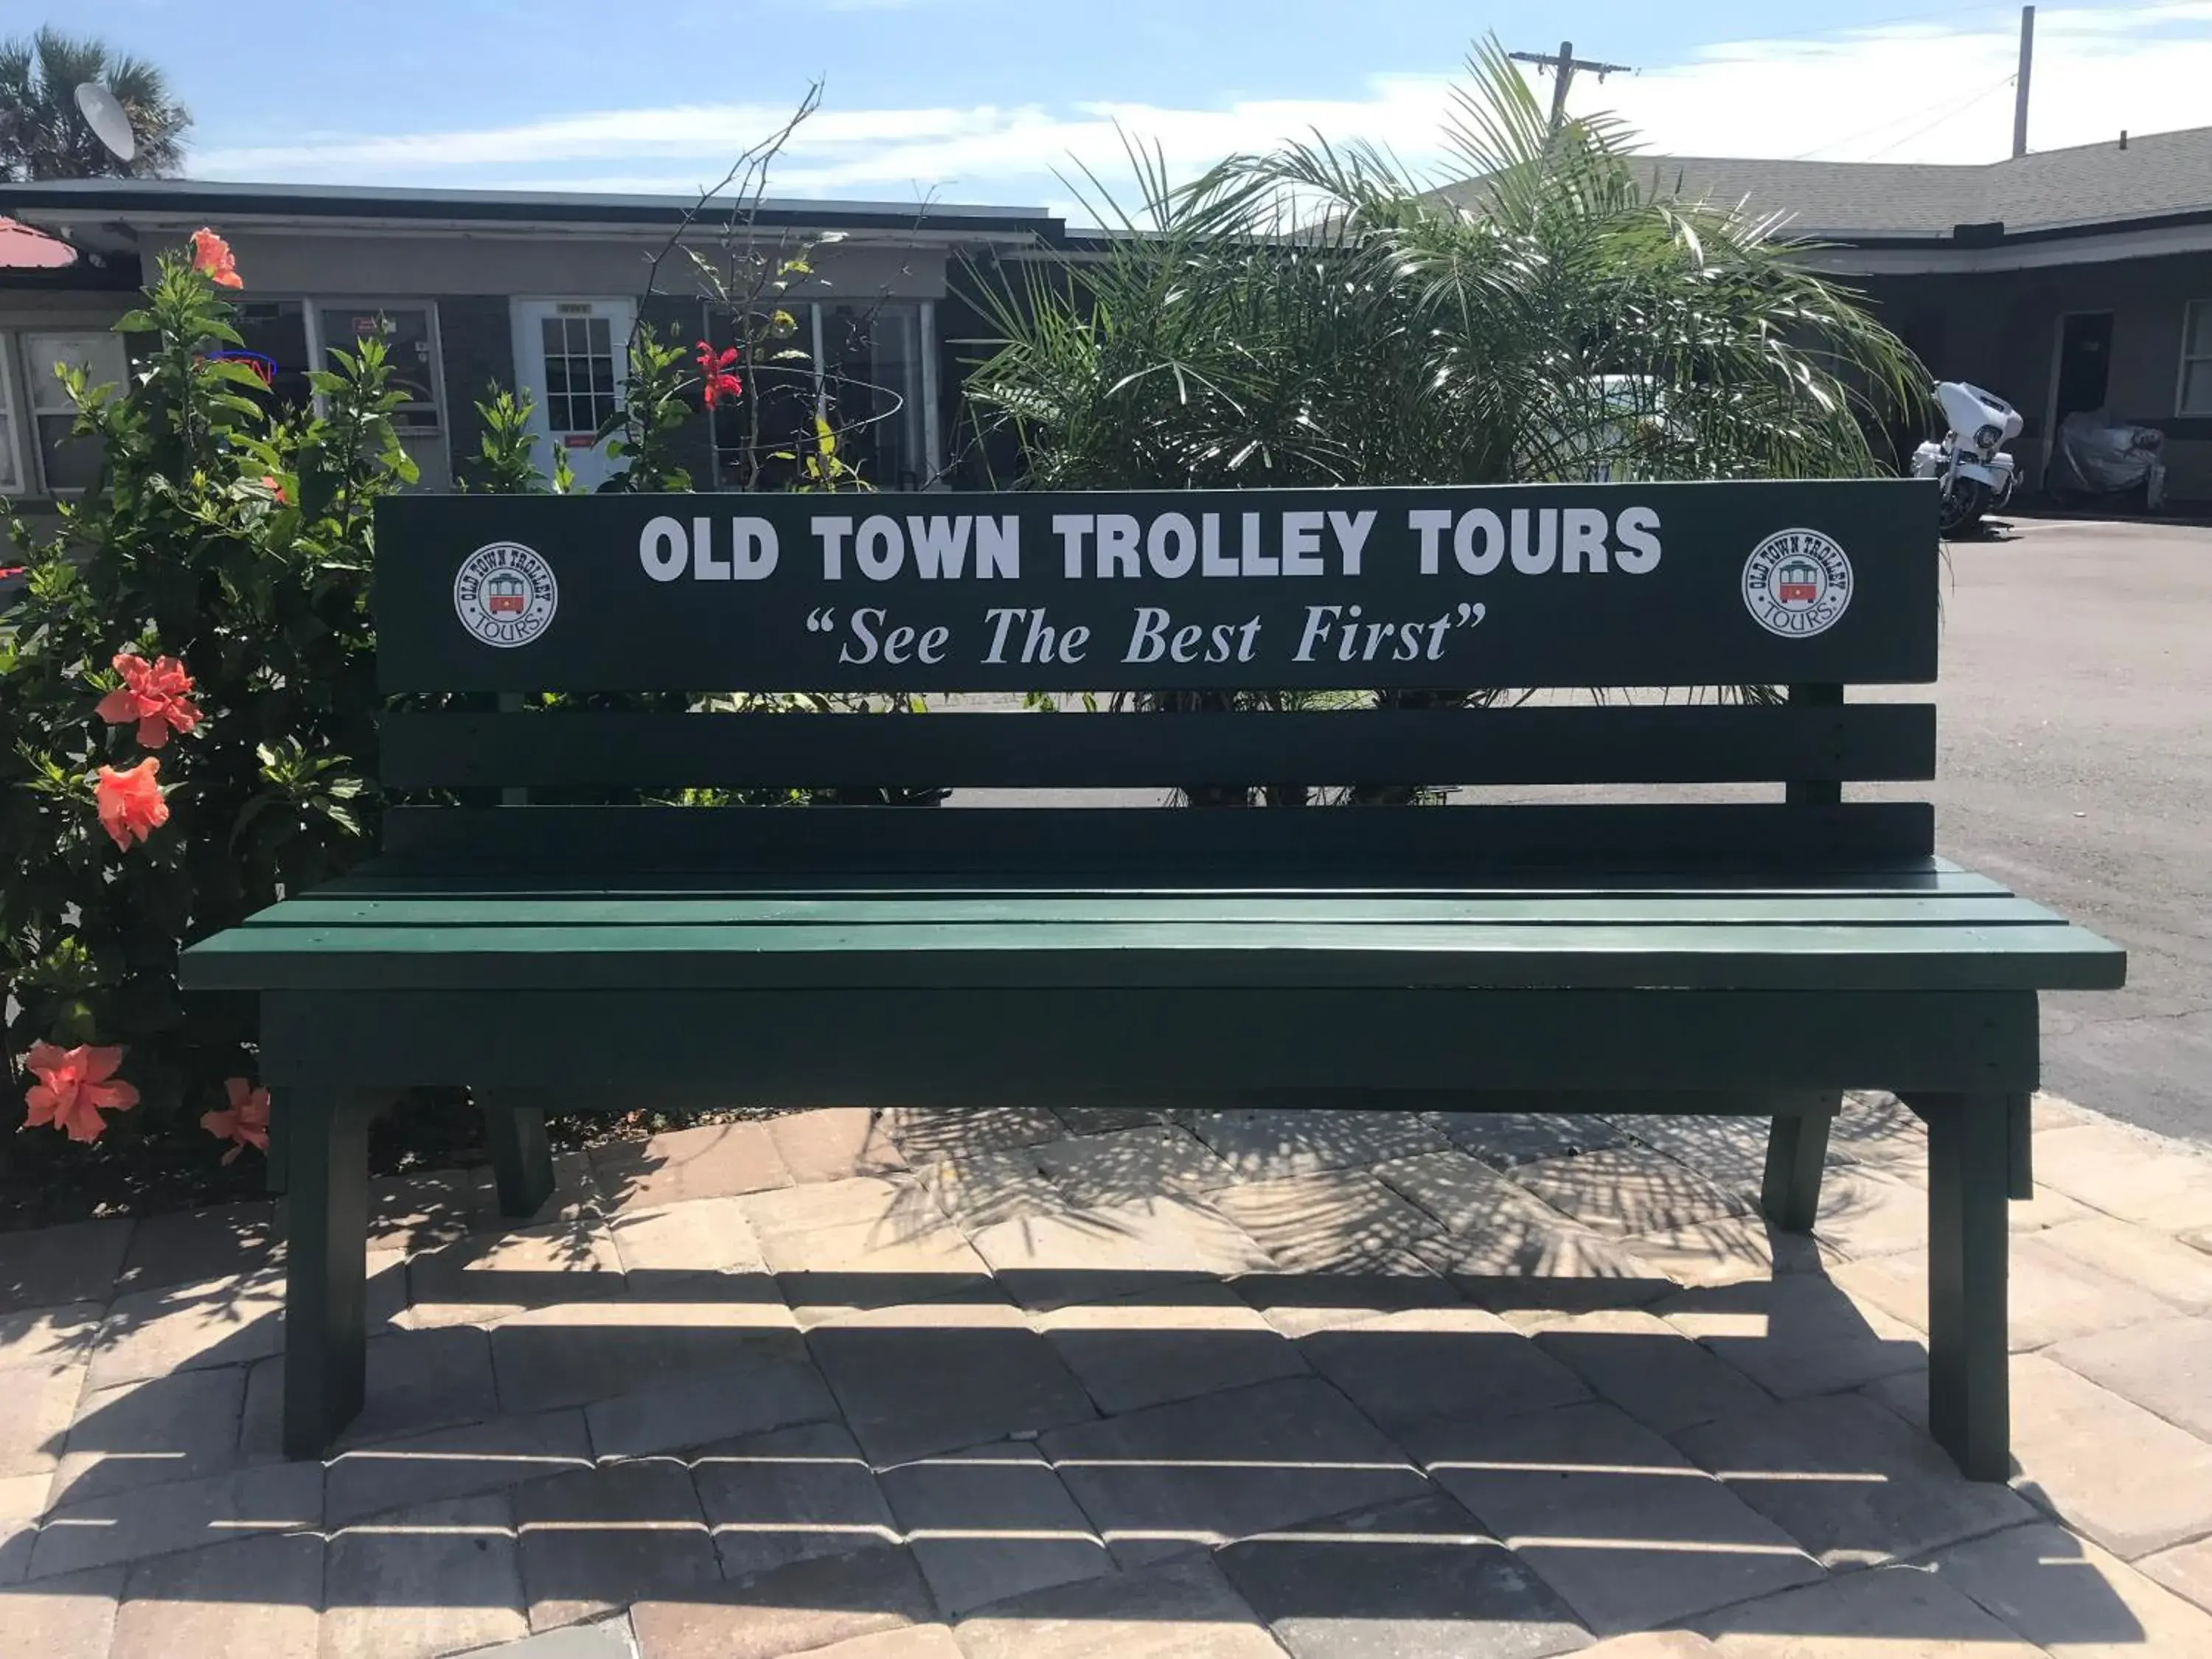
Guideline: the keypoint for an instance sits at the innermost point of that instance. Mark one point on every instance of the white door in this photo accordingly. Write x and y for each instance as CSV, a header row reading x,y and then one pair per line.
x,y
571,357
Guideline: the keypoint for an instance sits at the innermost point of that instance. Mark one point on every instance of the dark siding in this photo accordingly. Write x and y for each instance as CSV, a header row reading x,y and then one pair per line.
x,y
2000,329
476,340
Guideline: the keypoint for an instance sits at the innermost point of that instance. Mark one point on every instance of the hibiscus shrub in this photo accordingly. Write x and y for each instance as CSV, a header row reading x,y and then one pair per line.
x,y
186,704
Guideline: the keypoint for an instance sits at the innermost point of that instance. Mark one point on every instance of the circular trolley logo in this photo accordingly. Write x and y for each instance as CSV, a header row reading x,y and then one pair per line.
x,y
1797,583
505,594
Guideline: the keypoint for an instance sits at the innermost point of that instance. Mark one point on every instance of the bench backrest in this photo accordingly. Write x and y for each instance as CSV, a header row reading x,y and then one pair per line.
x,y
1563,589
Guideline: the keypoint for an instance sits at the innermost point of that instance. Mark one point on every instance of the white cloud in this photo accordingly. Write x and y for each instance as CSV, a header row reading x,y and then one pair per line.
x,y
1917,92
1927,93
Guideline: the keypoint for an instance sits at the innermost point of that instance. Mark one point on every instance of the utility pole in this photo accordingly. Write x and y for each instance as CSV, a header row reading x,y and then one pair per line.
x,y
1563,67
2019,86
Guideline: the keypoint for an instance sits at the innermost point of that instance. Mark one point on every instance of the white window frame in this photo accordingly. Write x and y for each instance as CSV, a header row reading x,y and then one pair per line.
x,y
2190,314
312,307
34,362
14,474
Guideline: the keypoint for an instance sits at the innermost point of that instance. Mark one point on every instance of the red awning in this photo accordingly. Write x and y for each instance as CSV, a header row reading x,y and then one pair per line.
x,y
23,248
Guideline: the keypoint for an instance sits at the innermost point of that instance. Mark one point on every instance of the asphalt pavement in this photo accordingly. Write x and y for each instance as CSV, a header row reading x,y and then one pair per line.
x,y
2076,766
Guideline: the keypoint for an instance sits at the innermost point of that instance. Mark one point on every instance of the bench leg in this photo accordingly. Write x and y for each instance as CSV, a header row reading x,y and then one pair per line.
x,y
2020,1117
1796,1148
521,1161
1969,1173
272,1173
326,1266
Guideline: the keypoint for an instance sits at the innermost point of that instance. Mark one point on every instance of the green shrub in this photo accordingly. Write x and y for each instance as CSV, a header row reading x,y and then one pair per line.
x,y
186,702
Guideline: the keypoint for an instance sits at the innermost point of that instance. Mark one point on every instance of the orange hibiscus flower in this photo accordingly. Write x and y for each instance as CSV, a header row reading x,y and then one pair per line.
x,y
75,1086
244,1121
157,695
131,804
211,255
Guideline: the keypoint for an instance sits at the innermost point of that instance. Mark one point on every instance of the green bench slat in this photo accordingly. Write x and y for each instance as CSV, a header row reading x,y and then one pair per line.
x,y
1939,957
918,909
1704,743
381,879
1337,845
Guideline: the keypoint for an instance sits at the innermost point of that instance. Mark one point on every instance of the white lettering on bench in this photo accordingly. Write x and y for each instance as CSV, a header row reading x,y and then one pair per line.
x,y
1150,641
940,544
1542,540
1640,547
1581,536
1042,643
1537,560
1358,640
665,550
1352,535
1171,545
901,645
1111,545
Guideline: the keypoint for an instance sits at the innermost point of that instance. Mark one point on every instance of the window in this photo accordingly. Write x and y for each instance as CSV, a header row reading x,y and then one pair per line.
x,y
872,374
273,339
67,464
579,372
2196,397
409,347
863,368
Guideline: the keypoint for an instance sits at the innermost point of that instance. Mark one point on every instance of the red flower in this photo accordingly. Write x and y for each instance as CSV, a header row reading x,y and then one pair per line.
x,y
131,804
716,380
157,695
74,1087
274,486
246,1122
211,255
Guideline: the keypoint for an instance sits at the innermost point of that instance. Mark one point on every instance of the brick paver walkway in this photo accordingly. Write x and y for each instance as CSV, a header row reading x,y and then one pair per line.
x,y
1033,1384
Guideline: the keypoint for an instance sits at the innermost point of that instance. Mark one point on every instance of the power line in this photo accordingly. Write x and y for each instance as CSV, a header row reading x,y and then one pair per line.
x,y
1816,153
1949,115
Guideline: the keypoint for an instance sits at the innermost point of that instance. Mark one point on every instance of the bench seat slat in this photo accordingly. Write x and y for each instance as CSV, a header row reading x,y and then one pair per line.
x,y
922,910
1682,742
1934,958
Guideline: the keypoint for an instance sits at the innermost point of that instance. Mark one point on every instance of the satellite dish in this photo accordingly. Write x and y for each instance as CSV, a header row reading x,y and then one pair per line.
x,y
107,120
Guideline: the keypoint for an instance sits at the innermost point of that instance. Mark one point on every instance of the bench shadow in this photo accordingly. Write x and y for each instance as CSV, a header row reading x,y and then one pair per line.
x,y
1415,1434
1472,1482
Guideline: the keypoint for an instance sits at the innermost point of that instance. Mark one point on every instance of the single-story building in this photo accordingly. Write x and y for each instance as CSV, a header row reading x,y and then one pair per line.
x,y
473,289
2064,280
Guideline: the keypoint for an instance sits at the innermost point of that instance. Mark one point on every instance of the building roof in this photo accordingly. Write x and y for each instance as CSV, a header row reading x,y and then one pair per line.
x,y
75,201
23,248
2160,176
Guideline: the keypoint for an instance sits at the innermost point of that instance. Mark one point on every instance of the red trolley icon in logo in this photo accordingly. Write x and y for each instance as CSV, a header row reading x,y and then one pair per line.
x,y
1797,582
506,594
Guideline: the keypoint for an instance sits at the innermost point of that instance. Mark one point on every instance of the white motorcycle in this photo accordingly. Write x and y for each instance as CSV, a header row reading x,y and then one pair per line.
x,y
1977,475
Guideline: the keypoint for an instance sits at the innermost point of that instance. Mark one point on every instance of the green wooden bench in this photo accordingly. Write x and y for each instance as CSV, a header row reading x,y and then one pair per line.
x,y
1721,954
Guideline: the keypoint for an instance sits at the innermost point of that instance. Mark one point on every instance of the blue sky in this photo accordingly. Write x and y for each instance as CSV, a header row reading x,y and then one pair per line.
x,y
988,100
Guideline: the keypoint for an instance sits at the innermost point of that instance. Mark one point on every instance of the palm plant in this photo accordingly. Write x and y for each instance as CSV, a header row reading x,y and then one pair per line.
x,y
1317,315
44,135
